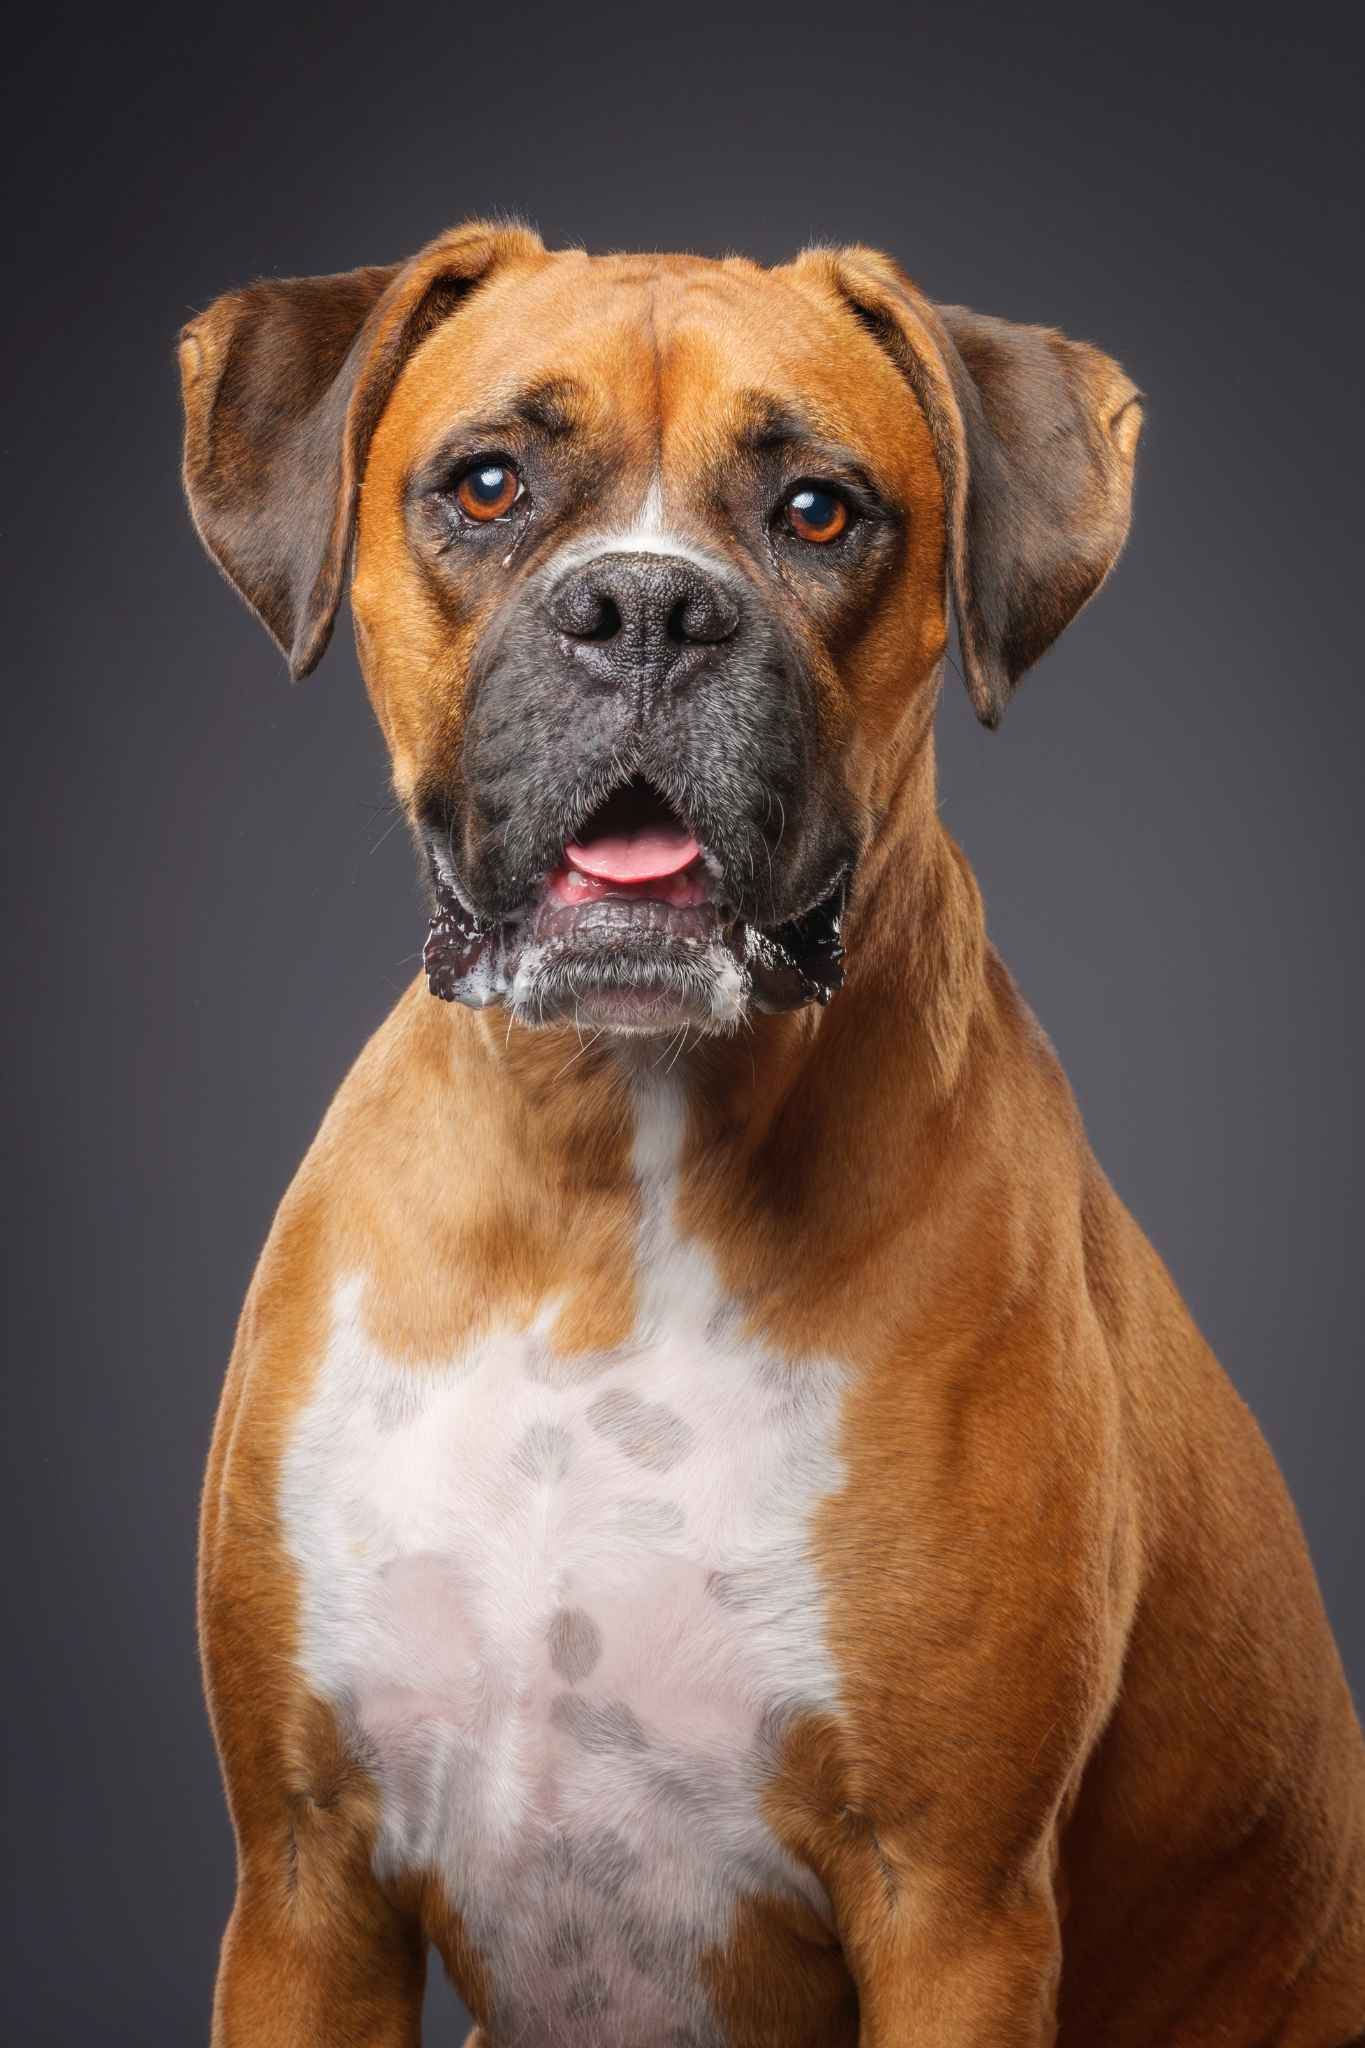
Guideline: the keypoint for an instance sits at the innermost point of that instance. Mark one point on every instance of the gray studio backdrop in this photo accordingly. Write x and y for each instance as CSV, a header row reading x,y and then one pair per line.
x,y
214,907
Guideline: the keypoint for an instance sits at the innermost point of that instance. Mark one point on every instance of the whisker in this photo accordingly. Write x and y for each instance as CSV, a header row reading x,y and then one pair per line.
x,y
682,1047
574,1058
394,822
664,1054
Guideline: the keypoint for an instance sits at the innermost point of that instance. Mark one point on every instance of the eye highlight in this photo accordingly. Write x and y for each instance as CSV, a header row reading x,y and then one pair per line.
x,y
488,490
816,514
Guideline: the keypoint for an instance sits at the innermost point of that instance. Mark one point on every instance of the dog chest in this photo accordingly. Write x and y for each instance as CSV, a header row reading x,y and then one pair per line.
x,y
567,1606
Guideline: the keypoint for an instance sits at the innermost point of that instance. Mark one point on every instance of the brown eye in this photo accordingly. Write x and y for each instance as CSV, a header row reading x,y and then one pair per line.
x,y
488,490
817,515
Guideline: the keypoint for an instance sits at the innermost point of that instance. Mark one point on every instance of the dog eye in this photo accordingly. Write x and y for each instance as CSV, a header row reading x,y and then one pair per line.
x,y
488,490
815,514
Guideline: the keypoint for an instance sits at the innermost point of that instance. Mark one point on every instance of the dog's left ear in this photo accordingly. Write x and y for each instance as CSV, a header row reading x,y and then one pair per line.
x,y
284,384
1035,437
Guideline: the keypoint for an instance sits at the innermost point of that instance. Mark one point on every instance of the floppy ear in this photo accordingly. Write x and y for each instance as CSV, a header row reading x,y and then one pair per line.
x,y
284,384
1035,437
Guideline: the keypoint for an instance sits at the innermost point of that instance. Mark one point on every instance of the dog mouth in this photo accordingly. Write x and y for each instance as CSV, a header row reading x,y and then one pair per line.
x,y
633,930
632,850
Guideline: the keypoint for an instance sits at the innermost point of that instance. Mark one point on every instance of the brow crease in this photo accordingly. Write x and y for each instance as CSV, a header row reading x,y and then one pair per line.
x,y
772,424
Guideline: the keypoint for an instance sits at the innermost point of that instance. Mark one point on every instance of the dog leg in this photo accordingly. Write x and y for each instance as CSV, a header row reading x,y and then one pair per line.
x,y
938,1974
290,1980
316,1954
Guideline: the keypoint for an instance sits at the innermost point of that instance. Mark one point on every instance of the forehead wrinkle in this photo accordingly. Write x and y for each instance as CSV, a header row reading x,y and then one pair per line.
x,y
769,422
787,348
715,411
549,402
616,335
752,342
554,405
766,380
656,355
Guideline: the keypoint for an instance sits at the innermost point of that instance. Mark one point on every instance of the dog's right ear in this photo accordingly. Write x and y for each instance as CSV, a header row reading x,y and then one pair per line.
x,y
284,384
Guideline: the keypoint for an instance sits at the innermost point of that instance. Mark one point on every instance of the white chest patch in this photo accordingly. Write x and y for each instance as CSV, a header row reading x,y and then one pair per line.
x,y
567,1606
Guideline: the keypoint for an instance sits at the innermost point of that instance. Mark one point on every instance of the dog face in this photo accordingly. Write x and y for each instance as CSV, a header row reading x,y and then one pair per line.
x,y
652,560
649,559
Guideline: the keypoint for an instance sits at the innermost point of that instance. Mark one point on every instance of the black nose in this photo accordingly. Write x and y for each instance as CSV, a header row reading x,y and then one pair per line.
x,y
642,621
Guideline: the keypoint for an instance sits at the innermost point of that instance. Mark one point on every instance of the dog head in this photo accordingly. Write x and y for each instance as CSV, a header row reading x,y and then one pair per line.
x,y
652,560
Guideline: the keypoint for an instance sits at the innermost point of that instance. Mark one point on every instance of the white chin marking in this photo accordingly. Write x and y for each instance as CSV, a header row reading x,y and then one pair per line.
x,y
729,993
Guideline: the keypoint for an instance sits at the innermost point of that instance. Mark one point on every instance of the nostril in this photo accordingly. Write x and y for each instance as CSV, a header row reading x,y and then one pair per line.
x,y
703,615
608,623
586,612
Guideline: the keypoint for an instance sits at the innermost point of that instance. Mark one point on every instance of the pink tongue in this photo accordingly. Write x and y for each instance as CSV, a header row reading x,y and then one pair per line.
x,y
640,856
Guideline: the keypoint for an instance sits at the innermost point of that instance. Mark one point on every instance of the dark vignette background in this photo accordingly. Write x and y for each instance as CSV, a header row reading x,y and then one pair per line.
x,y
212,910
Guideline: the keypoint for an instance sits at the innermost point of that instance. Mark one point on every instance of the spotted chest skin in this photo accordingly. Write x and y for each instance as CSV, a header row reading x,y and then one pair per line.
x,y
566,1608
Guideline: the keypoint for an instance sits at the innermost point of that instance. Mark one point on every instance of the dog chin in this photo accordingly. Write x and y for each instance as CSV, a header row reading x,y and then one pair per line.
x,y
636,970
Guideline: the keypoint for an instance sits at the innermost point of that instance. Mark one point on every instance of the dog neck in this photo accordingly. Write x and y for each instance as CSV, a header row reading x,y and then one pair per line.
x,y
785,1152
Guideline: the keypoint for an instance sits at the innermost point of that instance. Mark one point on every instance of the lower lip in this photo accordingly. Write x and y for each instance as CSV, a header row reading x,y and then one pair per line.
x,y
685,890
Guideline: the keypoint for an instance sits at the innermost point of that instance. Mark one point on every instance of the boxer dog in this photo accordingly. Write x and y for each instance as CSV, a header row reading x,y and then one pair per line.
x,y
719,1521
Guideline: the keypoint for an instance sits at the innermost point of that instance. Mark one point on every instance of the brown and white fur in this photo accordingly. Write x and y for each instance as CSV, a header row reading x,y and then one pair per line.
x,y
734,1538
